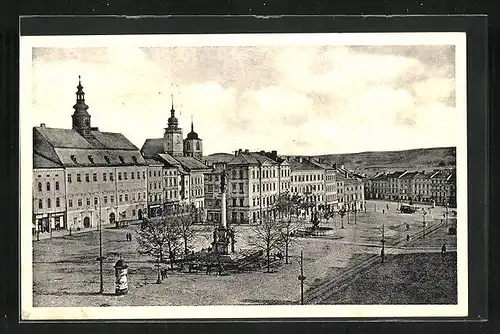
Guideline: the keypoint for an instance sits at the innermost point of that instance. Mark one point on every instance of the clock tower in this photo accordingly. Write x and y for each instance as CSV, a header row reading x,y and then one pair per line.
x,y
173,141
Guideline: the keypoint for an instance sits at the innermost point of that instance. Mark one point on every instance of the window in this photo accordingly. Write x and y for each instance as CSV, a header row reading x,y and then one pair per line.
x,y
143,175
121,159
69,178
40,204
198,145
39,186
104,178
87,177
48,186
150,174
126,197
94,177
125,176
91,159
111,177
57,185
96,201
138,196
241,201
73,158
138,175
133,213
134,158
119,176
112,199
241,173
49,203
70,203
88,201
79,202
156,197
107,159
58,202
105,199
120,197
132,175
234,201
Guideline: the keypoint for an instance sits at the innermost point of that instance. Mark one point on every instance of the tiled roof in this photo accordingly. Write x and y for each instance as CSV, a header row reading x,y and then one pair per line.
x,y
191,163
218,157
153,162
98,157
243,159
321,165
168,159
69,148
262,158
40,161
408,175
152,146
69,138
304,165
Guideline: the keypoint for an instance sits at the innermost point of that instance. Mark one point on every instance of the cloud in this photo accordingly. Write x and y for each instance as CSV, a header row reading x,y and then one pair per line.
x,y
298,100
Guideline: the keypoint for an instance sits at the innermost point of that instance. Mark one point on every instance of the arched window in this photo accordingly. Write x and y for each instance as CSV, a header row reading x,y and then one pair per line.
x,y
198,145
58,202
40,203
188,146
57,185
39,186
49,203
48,186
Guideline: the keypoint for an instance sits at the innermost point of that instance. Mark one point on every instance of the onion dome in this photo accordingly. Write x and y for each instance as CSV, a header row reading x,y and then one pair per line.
x,y
80,106
192,134
173,122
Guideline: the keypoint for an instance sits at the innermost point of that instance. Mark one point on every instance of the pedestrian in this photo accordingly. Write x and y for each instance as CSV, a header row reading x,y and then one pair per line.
x,y
383,211
407,237
443,249
126,236
130,237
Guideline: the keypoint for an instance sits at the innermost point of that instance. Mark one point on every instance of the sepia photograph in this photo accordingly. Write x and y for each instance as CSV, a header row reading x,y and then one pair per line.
x,y
243,176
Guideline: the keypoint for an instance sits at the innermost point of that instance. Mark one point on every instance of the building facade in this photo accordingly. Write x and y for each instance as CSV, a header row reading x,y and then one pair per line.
x,y
104,173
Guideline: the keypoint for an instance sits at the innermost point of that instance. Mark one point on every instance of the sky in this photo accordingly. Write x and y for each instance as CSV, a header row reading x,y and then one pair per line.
x,y
298,100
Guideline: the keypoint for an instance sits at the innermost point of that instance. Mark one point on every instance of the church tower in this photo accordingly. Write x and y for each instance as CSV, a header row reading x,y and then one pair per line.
x,y
173,135
193,146
81,118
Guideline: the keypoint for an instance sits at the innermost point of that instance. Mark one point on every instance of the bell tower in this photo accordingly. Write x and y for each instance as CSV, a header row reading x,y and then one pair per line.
x,y
81,118
173,135
193,146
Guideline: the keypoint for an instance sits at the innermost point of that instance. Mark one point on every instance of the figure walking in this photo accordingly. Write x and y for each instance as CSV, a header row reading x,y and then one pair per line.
x,y
443,250
407,237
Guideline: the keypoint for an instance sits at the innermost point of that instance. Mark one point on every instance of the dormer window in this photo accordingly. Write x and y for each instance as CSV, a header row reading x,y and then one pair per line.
x,y
121,159
91,159
73,158
107,159
134,158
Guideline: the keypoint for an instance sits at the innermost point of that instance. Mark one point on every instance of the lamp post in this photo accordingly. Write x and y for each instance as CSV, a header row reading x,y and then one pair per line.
x,y
423,223
301,278
100,258
382,253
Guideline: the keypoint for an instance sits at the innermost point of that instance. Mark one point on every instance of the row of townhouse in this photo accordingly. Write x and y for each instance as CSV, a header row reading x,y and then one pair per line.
x,y
438,186
255,180
83,176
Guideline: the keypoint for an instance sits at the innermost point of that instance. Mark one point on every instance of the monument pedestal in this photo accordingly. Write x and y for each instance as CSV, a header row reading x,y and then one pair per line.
x,y
222,240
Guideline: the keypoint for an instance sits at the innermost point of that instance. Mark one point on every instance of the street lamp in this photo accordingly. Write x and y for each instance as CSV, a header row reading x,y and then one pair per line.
x,y
100,258
423,223
382,253
301,278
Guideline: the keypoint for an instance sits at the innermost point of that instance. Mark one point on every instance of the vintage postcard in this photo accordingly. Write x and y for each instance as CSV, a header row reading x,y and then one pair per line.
x,y
243,176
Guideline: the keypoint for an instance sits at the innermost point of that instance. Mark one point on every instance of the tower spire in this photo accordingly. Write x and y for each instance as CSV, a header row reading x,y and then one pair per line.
x,y
172,95
192,126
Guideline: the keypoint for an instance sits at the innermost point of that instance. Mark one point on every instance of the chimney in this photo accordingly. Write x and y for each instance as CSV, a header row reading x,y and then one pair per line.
x,y
240,150
274,154
42,125
235,153
246,151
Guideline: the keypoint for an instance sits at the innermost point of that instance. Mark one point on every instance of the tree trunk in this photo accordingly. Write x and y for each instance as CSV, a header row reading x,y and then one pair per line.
x,y
161,254
185,245
286,250
268,261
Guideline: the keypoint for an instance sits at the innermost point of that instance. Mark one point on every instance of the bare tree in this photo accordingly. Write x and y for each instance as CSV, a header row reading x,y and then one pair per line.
x,y
287,206
267,237
152,238
186,226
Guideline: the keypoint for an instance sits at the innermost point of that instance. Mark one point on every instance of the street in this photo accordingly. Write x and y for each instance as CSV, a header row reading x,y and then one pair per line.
x,y
66,272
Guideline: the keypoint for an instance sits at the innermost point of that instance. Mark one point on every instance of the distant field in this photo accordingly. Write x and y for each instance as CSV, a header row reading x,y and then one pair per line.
x,y
417,159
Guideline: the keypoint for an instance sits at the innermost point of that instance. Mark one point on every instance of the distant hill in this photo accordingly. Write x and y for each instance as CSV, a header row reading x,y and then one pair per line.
x,y
416,159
